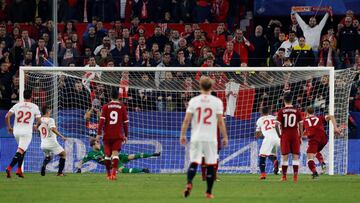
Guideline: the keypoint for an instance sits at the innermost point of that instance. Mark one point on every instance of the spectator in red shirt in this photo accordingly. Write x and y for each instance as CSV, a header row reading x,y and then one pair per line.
x,y
242,46
327,55
141,47
37,29
230,57
218,40
220,10
199,42
140,33
69,29
331,37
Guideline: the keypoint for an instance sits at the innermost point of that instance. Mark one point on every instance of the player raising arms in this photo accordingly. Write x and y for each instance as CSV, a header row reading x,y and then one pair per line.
x,y
289,118
25,113
205,113
49,143
113,120
97,154
314,130
265,125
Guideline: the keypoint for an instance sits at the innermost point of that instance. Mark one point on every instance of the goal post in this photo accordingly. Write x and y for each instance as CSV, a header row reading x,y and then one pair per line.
x,y
242,155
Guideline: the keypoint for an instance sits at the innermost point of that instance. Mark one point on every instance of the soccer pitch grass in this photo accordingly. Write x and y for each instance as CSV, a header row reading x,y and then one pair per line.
x,y
168,188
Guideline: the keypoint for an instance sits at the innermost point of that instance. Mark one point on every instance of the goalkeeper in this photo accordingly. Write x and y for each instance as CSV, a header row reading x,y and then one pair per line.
x,y
97,154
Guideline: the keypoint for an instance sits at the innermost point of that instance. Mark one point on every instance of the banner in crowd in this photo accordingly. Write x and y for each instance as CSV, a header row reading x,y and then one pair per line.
x,y
283,7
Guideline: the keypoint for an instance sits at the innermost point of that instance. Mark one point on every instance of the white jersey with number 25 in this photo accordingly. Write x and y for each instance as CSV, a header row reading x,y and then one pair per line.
x,y
204,109
266,124
25,114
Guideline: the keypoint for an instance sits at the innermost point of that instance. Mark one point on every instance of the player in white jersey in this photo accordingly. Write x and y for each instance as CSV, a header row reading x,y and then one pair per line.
x,y
49,143
25,113
205,113
265,126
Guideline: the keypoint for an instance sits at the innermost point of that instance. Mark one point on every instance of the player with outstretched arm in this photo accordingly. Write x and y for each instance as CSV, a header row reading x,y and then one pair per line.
x,y
113,120
315,132
25,113
205,112
97,154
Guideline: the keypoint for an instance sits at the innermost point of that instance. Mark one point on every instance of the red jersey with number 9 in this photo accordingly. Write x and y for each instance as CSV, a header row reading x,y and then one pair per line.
x,y
112,120
289,117
314,126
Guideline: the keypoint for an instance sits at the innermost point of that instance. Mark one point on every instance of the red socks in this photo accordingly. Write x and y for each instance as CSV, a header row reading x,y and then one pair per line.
x,y
312,166
319,157
115,162
296,169
284,169
107,165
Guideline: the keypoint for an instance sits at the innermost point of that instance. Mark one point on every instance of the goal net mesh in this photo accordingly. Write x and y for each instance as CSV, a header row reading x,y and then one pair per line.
x,y
157,100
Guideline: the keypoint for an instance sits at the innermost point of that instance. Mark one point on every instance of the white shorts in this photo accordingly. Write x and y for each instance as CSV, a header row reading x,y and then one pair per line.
x,y
52,149
199,149
269,146
23,141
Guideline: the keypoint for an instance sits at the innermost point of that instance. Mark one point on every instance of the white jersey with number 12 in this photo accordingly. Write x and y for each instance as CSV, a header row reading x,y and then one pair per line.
x,y
204,109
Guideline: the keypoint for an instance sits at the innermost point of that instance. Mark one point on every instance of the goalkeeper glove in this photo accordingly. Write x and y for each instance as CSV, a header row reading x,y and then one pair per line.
x,y
78,170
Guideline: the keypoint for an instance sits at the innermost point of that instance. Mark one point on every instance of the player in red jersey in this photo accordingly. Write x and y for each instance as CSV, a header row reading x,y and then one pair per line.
x,y
314,130
113,121
289,119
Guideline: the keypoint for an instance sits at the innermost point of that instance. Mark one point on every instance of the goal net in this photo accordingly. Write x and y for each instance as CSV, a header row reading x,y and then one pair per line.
x,y
157,98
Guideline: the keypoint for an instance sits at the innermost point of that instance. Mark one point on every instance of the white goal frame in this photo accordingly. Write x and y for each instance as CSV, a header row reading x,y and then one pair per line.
x,y
330,71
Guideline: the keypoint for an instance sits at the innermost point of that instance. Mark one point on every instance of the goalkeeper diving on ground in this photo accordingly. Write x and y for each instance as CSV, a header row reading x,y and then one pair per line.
x,y
97,154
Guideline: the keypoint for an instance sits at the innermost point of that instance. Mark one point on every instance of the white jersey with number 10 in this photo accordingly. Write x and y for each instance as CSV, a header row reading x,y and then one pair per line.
x,y
25,114
205,109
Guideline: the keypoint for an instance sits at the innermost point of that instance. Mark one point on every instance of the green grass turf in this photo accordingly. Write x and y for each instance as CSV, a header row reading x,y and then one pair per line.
x,y
168,188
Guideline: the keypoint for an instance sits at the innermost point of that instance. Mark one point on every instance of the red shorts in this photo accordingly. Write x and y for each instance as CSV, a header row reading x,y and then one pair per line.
x,y
290,145
316,145
112,145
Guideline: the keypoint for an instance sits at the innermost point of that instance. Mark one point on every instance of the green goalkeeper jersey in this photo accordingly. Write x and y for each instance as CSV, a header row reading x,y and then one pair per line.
x,y
99,157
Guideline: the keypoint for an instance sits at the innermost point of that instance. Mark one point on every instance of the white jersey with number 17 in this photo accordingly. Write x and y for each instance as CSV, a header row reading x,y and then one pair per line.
x,y
25,114
205,109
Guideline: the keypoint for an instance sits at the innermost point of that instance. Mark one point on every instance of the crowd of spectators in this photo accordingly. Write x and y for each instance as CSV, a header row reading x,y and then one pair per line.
x,y
118,34
148,11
